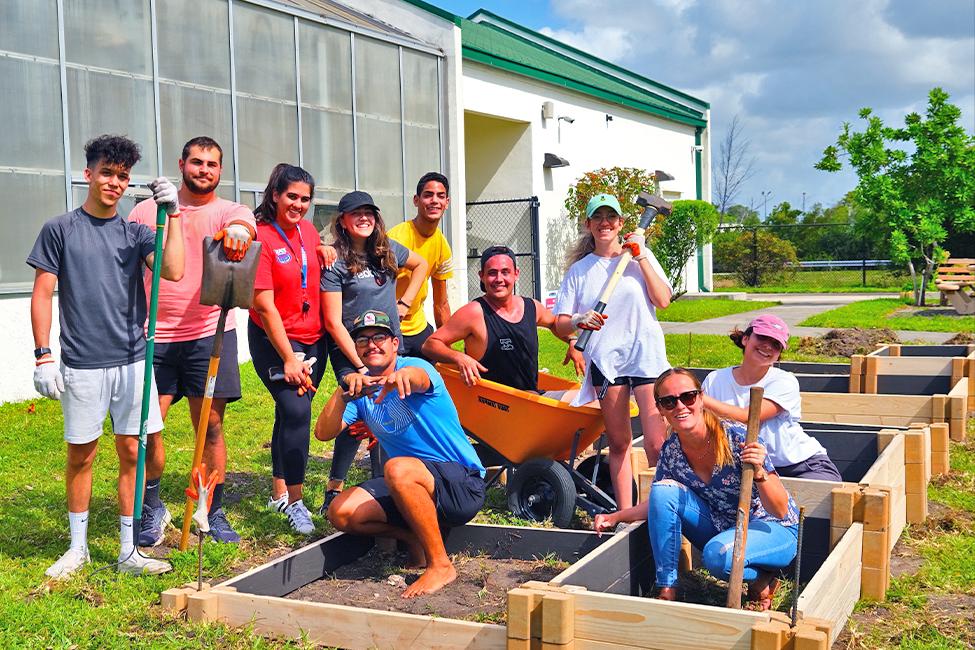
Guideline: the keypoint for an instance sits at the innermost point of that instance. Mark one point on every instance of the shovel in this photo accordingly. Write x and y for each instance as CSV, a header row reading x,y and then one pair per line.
x,y
226,285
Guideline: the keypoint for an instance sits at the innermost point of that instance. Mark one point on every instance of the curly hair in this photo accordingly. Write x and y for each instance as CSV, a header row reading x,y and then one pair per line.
x,y
282,176
112,149
378,254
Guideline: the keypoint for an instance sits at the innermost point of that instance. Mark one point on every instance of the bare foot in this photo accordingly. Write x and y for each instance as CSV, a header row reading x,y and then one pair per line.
x,y
432,580
667,593
416,558
761,590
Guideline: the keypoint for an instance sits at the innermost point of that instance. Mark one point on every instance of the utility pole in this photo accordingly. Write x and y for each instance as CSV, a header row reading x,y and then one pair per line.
x,y
765,196
804,203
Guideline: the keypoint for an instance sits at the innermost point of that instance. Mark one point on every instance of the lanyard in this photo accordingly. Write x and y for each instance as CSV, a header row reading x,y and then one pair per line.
x,y
304,258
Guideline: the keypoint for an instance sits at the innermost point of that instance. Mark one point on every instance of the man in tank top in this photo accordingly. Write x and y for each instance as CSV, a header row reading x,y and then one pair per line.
x,y
499,329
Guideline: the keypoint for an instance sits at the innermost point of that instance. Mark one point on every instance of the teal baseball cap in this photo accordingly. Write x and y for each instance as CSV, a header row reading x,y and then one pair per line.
x,y
599,201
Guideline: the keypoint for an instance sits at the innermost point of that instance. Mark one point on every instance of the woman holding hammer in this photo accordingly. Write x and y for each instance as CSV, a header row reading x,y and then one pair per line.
x,y
695,494
626,351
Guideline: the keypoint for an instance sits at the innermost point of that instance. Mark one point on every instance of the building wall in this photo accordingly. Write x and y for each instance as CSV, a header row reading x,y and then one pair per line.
x,y
631,139
498,158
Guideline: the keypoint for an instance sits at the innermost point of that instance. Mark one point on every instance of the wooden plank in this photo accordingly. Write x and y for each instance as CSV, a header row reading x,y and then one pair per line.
x,y
522,543
835,589
558,618
899,410
524,613
611,566
917,508
619,620
888,466
912,366
939,408
894,349
957,430
816,496
354,627
856,373
870,374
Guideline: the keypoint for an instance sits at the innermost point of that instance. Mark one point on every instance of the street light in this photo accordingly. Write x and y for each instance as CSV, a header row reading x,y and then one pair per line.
x,y
804,203
765,195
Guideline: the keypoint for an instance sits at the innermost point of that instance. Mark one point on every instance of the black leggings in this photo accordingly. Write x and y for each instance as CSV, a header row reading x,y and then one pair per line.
x,y
292,412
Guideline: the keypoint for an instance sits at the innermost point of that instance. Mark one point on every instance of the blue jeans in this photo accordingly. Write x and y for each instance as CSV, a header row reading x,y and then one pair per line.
x,y
676,510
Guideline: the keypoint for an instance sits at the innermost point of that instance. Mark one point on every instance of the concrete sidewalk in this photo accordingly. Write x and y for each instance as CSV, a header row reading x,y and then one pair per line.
x,y
795,308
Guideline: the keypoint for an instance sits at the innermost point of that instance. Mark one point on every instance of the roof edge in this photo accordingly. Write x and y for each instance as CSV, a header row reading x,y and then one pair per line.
x,y
435,10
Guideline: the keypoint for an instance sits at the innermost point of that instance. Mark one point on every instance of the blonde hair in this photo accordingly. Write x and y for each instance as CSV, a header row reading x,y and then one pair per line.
x,y
584,245
716,432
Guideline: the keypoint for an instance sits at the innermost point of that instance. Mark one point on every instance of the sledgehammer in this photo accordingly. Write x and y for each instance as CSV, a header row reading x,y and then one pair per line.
x,y
652,205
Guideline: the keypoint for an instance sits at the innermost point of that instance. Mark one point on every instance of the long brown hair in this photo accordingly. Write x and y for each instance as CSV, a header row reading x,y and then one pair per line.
x,y
378,254
282,176
716,432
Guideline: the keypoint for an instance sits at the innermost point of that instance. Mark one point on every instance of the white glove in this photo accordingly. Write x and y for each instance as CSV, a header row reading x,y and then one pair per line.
x,y
590,320
238,234
638,242
165,194
309,363
48,380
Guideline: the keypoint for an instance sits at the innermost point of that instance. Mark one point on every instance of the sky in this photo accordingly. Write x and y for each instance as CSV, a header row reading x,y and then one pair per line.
x,y
792,71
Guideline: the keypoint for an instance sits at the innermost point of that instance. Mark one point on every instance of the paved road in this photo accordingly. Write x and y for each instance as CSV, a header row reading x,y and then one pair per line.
x,y
795,308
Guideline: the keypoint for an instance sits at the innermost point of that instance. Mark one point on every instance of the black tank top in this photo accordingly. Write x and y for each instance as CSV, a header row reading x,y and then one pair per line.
x,y
511,355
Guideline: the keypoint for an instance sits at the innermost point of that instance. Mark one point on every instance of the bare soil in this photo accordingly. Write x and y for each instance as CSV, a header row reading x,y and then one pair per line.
x,y
479,593
847,342
961,338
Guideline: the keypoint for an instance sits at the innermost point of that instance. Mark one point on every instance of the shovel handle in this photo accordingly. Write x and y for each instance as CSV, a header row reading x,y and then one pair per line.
x,y
755,397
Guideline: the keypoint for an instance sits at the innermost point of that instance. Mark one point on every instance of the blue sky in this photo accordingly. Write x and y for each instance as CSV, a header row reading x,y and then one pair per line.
x,y
792,71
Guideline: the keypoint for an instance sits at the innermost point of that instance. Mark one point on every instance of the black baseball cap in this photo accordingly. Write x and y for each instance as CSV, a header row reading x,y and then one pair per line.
x,y
491,251
356,199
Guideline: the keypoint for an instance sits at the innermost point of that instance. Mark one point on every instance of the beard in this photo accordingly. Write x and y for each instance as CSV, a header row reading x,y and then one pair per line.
x,y
196,187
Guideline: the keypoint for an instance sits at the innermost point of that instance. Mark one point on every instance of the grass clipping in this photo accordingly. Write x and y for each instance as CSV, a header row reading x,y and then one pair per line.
x,y
847,342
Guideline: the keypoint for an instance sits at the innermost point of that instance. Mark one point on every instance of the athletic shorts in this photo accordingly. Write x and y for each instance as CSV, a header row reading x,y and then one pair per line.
x,y
458,493
412,345
181,368
92,393
598,379
818,467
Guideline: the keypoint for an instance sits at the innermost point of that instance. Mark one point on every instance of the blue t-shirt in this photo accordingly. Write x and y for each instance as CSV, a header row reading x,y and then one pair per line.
x,y
721,493
102,298
423,425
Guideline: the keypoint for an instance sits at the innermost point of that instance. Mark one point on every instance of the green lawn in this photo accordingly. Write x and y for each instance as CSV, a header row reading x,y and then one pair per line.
x,y
892,313
106,610
838,281
688,311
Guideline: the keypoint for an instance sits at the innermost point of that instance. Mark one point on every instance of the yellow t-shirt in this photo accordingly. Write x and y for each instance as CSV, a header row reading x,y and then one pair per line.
x,y
436,251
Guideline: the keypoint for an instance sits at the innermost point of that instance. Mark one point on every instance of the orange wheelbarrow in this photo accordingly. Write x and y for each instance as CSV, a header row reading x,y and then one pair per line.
x,y
536,439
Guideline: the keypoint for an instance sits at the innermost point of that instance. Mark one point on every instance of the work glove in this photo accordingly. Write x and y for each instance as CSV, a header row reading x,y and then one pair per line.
x,y
236,238
201,491
165,194
48,380
590,320
359,431
637,245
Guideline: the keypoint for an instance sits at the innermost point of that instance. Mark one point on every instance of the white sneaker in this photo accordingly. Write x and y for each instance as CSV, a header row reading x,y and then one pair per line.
x,y
300,518
279,504
72,560
138,564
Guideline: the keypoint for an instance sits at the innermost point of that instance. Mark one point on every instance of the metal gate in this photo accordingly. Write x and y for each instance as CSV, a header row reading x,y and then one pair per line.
x,y
512,223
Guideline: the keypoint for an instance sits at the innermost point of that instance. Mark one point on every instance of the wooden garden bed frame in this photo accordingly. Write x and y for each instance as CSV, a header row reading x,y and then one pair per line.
x,y
256,598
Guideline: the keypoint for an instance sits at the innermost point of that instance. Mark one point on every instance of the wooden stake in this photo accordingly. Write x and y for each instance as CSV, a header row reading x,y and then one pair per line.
x,y
755,396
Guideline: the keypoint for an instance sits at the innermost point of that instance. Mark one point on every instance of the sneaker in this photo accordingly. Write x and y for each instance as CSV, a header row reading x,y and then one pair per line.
x,y
72,560
329,497
154,522
137,564
279,504
300,518
220,528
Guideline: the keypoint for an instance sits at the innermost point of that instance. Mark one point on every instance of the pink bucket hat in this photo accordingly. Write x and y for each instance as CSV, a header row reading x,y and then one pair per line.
x,y
772,327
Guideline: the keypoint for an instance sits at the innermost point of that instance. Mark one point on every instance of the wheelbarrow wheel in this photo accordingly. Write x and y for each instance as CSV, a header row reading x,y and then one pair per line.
x,y
542,488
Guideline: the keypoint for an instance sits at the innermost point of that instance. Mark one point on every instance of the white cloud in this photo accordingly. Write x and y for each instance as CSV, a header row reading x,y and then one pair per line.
x,y
609,43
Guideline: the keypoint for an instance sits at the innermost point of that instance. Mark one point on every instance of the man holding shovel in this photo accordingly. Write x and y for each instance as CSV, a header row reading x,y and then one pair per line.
x,y
95,258
186,329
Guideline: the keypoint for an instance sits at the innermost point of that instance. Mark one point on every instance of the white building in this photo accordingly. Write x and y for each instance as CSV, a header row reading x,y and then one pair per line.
x,y
365,95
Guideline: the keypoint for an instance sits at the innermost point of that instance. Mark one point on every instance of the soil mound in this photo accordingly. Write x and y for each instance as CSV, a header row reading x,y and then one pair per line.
x,y
847,342
961,338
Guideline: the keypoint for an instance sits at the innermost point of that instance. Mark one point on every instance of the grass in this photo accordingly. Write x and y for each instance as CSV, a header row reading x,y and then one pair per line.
x,y
689,311
892,313
838,281
106,610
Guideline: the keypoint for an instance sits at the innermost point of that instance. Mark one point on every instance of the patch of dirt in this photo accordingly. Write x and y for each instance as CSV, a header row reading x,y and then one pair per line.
x,y
479,593
904,561
961,338
847,342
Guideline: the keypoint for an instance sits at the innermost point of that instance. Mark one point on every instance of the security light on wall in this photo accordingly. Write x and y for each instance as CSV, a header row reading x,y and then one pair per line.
x,y
552,161
568,120
548,110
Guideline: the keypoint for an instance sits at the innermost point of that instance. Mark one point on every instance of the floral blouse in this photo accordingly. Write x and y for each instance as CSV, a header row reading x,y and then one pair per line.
x,y
721,493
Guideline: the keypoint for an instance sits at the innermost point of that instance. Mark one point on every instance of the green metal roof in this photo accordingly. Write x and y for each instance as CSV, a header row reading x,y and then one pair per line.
x,y
491,45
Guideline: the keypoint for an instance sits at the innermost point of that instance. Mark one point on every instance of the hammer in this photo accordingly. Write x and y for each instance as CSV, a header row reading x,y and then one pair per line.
x,y
652,205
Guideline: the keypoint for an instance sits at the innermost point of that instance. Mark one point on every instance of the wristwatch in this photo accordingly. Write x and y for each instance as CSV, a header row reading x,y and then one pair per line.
x,y
40,352
404,303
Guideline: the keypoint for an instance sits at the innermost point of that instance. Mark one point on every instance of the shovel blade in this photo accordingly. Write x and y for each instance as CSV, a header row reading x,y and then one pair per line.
x,y
228,284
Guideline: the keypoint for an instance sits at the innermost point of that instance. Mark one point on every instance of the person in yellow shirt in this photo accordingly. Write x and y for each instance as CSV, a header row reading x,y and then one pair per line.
x,y
421,235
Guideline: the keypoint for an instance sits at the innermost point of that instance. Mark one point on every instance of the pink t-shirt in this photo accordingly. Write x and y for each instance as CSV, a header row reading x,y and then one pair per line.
x,y
181,317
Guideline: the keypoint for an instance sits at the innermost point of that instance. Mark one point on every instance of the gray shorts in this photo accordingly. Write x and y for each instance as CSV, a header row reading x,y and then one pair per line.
x,y
92,393
818,467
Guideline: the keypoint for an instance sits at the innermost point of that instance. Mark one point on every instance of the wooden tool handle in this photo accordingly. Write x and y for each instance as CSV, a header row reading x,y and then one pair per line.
x,y
755,396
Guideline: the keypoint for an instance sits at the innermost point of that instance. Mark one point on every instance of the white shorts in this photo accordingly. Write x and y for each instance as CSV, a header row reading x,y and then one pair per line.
x,y
90,394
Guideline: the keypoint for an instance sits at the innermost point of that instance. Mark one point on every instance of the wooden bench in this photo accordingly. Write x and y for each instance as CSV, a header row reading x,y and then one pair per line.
x,y
956,281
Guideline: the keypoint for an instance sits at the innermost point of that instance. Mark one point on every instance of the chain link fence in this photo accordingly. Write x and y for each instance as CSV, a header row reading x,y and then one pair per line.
x,y
802,257
512,223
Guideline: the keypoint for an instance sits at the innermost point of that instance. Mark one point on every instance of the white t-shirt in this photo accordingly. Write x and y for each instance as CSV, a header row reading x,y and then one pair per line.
x,y
784,438
631,343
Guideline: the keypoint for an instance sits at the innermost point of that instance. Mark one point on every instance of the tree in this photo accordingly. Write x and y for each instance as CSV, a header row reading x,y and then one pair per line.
x,y
733,166
756,256
918,180
625,183
691,224
742,215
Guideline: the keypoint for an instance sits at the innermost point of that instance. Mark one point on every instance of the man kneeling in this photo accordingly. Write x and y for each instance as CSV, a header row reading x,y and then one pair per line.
x,y
433,478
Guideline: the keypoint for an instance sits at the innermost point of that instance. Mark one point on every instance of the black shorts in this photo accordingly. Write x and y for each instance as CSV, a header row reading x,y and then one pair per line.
x,y
181,368
598,379
412,345
458,493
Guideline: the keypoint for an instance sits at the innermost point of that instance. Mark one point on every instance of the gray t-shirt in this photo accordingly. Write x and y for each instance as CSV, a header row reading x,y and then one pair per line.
x,y
368,289
102,299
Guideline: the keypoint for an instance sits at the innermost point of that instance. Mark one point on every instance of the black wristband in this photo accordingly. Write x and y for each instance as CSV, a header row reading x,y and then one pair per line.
x,y
404,303
40,352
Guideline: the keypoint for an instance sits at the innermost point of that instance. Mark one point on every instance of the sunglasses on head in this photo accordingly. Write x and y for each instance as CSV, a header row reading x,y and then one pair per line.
x,y
377,339
669,402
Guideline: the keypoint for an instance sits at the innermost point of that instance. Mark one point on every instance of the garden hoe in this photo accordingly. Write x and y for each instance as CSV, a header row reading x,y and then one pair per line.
x,y
227,285
652,205
755,396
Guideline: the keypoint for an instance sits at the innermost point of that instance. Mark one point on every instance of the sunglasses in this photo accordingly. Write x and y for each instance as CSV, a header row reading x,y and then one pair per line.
x,y
375,339
613,218
669,402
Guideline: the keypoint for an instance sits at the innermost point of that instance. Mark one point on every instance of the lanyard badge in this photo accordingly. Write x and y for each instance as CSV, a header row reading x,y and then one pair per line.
x,y
304,257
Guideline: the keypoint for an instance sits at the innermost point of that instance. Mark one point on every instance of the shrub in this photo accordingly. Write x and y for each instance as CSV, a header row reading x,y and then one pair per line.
x,y
625,183
692,224
756,258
